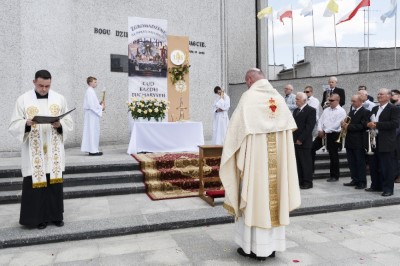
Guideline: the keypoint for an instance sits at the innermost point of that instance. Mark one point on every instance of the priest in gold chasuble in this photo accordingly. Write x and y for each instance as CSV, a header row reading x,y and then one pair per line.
x,y
258,169
42,152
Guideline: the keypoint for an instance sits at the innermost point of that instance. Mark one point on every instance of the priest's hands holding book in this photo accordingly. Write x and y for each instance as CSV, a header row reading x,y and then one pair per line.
x,y
55,124
29,122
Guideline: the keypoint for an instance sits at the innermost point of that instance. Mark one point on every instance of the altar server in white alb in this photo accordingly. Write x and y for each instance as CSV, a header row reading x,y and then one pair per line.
x,y
221,119
258,169
93,112
43,158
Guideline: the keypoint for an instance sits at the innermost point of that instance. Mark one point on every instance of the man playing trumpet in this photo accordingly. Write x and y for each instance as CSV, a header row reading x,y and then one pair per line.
x,y
329,126
383,162
354,142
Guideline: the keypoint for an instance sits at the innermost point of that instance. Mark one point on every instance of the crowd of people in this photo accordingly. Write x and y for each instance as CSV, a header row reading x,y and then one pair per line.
x,y
269,148
369,134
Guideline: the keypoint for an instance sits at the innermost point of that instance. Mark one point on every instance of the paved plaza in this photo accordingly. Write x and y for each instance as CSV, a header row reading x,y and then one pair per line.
x,y
368,233
359,237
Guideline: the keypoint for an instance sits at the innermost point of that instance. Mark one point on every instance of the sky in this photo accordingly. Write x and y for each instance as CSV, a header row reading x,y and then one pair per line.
x,y
349,34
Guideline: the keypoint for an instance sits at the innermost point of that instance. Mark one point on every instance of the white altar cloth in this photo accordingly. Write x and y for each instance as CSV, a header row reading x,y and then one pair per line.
x,y
166,137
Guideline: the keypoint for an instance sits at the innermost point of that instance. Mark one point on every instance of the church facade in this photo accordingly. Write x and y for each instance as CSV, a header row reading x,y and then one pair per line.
x,y
80,38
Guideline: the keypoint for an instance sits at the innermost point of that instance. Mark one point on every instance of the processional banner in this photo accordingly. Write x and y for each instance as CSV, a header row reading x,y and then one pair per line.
x,y
147,58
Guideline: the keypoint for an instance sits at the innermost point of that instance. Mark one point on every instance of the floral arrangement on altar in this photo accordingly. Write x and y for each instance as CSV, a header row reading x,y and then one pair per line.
x,y
178,72
148,108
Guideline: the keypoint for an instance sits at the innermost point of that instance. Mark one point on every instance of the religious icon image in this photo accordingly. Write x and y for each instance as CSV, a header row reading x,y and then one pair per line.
x,y
147,57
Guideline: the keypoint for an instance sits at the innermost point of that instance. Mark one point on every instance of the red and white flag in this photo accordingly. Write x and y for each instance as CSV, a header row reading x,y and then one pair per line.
x,y
285,13
350,15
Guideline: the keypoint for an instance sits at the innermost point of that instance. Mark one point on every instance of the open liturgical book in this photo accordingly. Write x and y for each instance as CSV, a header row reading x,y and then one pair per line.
x,y
49,119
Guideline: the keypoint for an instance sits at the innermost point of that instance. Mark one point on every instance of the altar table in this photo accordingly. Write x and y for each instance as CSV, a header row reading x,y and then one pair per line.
x,y
166,137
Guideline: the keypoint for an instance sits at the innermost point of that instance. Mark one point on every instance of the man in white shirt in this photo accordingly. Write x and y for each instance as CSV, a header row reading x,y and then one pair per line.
x,y
329,127
91,127
313,102
367,104
290,98
221,119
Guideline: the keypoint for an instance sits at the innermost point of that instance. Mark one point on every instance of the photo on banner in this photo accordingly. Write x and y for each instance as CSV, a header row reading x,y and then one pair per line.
x,y
147,58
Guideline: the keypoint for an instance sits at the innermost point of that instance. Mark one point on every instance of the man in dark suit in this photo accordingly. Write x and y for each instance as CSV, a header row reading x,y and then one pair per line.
x,y
305,117
354,144
395,99
383,163
333,90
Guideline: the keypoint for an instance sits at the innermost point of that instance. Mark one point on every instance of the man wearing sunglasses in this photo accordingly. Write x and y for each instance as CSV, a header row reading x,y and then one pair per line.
x,y
329,126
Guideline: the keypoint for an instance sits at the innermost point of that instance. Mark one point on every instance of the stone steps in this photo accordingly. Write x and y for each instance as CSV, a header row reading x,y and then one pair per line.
x,y
82,180
14,196
92,180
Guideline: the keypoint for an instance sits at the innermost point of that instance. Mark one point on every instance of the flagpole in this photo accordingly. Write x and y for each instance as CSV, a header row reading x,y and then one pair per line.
x,y
337,55
273,42
368,44
312,17
294,70
395,39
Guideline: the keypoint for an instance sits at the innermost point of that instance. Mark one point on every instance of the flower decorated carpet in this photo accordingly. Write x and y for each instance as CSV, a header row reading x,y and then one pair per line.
x,y
176,175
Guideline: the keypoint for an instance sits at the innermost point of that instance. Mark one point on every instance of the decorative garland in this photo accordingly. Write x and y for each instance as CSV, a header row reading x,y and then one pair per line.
x,y
178,72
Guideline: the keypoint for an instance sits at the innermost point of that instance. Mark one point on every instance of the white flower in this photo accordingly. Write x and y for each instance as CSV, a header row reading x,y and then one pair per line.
x,y
145,112
156,110
139,111
150,111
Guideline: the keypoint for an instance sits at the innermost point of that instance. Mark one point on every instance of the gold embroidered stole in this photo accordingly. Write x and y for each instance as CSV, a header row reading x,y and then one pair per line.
x,y
272,178
40,154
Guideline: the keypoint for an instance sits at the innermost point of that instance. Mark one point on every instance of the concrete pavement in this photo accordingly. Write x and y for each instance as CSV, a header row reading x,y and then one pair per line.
x,y
359,237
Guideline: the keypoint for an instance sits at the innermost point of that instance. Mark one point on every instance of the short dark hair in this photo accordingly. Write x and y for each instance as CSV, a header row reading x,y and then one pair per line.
x,y
216,89
44,74
90,79
362,87
309,87
396,92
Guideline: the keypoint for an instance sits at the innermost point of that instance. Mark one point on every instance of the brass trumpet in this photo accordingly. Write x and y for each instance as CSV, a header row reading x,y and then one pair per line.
x,y
371,141
343,132
324,148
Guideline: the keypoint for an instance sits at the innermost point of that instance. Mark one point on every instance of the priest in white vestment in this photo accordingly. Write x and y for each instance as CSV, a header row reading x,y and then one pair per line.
x,y
91,126
43,157
221,119
258,169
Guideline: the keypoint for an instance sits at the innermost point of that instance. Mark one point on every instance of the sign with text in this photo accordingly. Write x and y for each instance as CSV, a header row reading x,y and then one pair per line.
x,y
147,58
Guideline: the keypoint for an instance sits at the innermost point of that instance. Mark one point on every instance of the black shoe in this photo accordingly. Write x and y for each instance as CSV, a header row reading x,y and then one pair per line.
x,y
306,186
260,258
332,179
264,258
272,255
360,186
96,153
351,184
370,189
387,194
58,223
42,226
244,254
